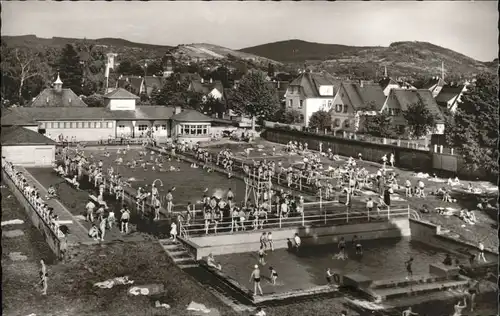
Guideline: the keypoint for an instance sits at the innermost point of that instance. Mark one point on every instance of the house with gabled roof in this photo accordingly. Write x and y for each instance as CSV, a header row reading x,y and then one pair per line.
x,y
211,88
434,85
26,147
399,100
352,99
388,83
134,84
450,95
310,93
120,117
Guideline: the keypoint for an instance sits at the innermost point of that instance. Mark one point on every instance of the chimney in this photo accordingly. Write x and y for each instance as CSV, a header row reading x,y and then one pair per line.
x,y
202,80
178,110
278,84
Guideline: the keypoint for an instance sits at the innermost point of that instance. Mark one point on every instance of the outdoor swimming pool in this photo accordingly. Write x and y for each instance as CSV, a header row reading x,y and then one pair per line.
x,y
189,183
381,259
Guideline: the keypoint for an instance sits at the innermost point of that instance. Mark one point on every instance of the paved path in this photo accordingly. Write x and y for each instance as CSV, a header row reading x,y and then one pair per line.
x,y
77,232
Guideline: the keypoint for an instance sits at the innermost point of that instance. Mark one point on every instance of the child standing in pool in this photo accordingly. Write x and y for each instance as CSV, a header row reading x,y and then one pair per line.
x,y
256,280
409,268
263,240
270,241
274,275
341,247
262,253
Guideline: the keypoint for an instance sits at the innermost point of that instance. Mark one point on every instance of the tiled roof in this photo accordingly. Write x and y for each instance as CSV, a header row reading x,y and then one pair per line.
x,y
407,97
135,83
387,81
431,82
206,87
12,117
17,135
448,92
51,98
309,83
147,112
120,93
191,116
153,81
189,76
359,96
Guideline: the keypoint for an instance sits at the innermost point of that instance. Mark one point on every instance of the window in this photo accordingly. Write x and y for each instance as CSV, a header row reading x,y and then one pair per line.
x,y
66,124
71,124
301,117
142,127
336,122
41,125
157,127
347,124
345,108
301,104
78,124
205,129
193,130
199,130
164,127
338,108
110,124
290,103
56,124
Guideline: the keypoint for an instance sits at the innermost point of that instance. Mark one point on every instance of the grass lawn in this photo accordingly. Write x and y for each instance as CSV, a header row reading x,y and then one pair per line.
x,y
484,230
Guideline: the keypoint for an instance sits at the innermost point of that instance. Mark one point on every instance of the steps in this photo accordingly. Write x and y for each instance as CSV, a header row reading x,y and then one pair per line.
x,y
181,257
386,290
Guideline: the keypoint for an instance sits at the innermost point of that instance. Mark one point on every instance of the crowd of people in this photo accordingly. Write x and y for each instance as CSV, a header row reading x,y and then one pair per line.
x,y
35,198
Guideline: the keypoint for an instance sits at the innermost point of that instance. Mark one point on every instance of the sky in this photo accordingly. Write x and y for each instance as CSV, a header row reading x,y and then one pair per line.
x,y
468,27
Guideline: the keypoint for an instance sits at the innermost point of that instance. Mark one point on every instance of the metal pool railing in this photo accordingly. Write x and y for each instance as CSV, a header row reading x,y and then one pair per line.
x,y
274,221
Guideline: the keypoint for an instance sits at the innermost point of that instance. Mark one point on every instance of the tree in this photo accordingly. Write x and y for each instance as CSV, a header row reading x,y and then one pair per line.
x,y
419,119
175,93
320,120
94,100
255,98
290,117
22,65
379,125
155,68
473,129
70,69
270,70
213,106
129,68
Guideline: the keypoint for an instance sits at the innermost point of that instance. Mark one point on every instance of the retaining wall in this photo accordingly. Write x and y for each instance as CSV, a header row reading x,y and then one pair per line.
x,y
50,237
405,157
432,235
201,247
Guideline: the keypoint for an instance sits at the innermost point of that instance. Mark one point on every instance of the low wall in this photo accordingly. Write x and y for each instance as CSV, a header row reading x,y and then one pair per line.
x,y
405,157
250,240
50,237
432,235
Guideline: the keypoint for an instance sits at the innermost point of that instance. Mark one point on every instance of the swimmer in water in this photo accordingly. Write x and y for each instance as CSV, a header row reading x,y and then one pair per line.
x,y
341,247
274,275
408,268
408,312
357,245
459,308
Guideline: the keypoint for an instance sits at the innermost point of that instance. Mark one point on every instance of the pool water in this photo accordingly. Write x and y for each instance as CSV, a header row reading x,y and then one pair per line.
x,y
381,259
189,183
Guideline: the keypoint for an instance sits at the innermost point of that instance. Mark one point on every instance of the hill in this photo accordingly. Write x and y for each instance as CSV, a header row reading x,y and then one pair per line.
x,y
299,51
401,58
189,52
203,51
